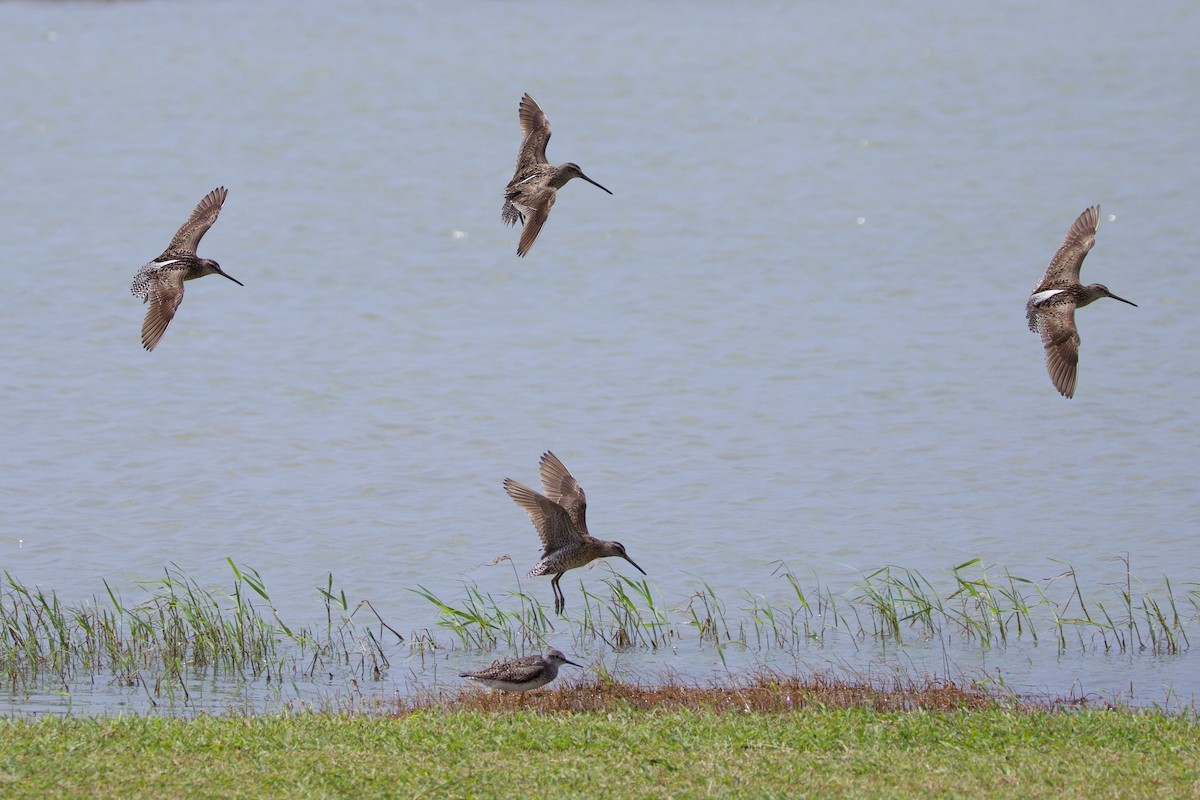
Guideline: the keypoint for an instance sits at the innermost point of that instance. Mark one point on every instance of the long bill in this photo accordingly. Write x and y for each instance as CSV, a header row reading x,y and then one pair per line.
x,y
1122,299
631,561
235,280
593,183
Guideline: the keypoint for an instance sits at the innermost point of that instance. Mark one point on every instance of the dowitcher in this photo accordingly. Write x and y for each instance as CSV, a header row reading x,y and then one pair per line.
x,y
531,192
160,282
521,674
1051,307
560,517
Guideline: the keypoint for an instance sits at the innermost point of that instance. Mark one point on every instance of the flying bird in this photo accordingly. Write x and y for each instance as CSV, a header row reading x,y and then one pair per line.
x,y
1051,308
531,192
160,283
560,517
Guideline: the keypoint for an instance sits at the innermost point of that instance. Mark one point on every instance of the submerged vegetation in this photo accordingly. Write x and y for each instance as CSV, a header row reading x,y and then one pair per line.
x,y
180,630
177,631
890,604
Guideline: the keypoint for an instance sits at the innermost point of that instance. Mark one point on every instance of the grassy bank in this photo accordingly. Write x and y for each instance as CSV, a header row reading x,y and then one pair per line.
x,y
629,743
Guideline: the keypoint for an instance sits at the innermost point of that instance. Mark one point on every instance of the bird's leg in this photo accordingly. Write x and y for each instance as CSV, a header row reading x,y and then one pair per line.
x,y
560,602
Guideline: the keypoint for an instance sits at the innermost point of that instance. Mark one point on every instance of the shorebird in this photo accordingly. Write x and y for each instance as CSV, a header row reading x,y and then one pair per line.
x,y
1051,307
530,193
521,674
561,522
161,281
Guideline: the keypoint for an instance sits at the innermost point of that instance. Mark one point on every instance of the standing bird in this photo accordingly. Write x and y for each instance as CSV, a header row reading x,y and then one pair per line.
x,y
1051,307
560,519
521,674
160,282
530,193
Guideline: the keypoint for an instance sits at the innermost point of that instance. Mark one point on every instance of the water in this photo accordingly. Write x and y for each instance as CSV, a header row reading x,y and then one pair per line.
x,y
795,332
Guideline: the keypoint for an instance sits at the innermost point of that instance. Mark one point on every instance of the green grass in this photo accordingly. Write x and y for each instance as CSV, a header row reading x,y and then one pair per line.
x,y
619,753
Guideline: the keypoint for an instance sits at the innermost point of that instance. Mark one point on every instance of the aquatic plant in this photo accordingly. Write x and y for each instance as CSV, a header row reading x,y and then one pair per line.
x,y
177,630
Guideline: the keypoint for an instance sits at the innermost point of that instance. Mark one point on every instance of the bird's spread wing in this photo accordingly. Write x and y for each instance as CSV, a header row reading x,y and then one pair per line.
x,y
551,520
1056,324
560,486
537,133
535,217
164,295
189,235
1064,267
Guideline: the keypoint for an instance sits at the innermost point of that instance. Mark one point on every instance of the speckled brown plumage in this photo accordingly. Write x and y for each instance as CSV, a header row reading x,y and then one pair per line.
x,y
560,518
535,184
521,674
1050,310
160,282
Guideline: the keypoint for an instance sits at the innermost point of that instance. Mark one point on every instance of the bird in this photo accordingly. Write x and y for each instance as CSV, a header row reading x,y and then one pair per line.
x,y
530,194
1050,310
521,674
560,517
160,283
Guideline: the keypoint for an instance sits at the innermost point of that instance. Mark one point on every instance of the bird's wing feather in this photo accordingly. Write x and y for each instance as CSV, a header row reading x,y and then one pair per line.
x,y
1056,324
189,234
537,133
551,520
535,218
1064,267
560,486
164,295
518,670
